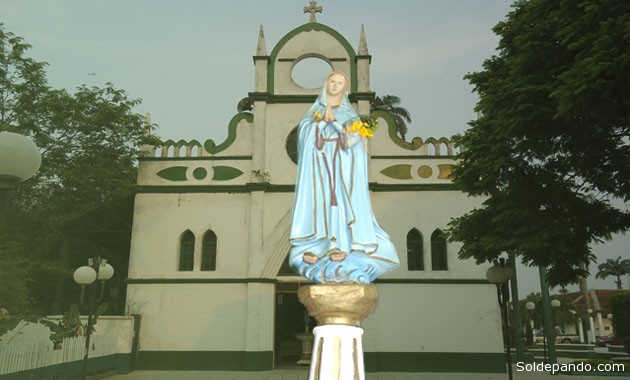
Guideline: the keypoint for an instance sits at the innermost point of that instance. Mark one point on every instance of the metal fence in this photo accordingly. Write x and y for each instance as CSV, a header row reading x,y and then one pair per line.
x,y
28,357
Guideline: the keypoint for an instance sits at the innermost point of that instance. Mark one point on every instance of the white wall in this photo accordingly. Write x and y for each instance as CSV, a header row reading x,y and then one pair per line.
x,y
190,317
434,318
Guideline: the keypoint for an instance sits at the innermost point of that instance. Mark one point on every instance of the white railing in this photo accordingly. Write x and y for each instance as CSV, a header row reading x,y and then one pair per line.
x,y
24,356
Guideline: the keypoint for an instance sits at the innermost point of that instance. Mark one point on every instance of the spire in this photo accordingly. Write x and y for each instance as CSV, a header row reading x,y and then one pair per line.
x,y
312,8
363,49
147,125
261,49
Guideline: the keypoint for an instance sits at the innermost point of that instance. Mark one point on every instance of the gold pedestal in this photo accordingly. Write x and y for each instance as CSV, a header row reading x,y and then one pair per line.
x,y
339,309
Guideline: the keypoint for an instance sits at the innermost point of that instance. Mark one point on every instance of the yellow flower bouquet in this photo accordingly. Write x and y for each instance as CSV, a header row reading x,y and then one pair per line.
x,y
365,126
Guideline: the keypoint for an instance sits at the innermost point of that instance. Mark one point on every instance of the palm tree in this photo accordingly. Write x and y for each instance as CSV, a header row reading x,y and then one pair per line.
x,y
391,105
616,267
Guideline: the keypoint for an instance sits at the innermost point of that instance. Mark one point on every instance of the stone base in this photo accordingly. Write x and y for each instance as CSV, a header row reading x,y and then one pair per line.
x,y
338,346
339,304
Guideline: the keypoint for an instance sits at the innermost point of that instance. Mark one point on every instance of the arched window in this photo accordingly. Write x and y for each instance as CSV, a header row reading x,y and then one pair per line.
x,y
415,250
187,251
438,251
209,251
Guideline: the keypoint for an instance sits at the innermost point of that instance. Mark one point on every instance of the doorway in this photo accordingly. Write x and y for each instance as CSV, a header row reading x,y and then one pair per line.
x,y
291,318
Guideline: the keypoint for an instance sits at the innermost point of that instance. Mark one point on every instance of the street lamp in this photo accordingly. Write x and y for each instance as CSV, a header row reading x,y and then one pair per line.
x,y
591,325
580,328
530,306
86,276
499,274
555,304
19,160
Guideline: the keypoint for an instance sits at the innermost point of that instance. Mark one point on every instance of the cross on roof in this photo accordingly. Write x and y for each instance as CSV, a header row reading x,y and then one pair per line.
x,y
312,9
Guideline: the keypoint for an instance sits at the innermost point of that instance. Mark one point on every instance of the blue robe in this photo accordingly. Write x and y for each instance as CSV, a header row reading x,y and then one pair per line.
x,y
331,209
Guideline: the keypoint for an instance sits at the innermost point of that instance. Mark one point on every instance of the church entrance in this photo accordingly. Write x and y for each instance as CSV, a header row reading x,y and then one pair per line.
x,y
293,326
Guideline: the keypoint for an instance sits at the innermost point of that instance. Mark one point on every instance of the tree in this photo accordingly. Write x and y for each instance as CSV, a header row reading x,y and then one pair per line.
x,y
390,104
615,268
620,306
551,150
89,143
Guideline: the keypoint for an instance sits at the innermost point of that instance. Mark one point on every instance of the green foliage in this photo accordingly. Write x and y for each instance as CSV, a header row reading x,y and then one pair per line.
x,y
615,268
620,306
551,148
391,105
70,324
7,322
89,141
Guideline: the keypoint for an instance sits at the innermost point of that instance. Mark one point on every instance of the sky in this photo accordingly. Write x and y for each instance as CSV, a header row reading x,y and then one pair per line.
x,y
190,61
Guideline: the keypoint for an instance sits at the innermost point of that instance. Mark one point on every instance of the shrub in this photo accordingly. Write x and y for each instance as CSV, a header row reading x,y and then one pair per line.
x,y
620,305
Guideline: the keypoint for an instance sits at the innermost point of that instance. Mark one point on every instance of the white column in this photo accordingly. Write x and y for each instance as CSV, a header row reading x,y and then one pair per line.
x,y
591,324
600,324
581,330
337,353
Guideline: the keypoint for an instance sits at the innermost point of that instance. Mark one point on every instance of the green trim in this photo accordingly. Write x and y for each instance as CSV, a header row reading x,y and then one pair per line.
x,y
443,281
414,157
180,143
399,171
211,147
425,171
225,173
363,56
206,360
445,171
374,361
260,58
415,143
305,99
312,26
201,281
121,363
174,173
479,362
398,281
200,173
208,158
291,99
269,188
247,188
258,96
380,187
362,96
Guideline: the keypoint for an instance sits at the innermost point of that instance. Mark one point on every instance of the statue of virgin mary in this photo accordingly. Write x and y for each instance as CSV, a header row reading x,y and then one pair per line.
x,y
334,235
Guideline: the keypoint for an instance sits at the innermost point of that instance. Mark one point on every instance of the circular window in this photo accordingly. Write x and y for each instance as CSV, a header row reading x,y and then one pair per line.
x,y
291,145
310,72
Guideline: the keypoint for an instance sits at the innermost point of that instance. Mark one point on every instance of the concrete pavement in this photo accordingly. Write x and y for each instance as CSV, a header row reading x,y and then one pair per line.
x,y
302,374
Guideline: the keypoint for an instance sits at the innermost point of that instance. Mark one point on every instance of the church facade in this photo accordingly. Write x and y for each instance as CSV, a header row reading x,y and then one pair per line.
x,y
210,237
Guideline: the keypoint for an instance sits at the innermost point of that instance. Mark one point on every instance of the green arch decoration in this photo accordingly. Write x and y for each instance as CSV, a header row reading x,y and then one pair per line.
x,y
225,173
200,173
307,28
415,143
425,171
174,173
400,171
211,147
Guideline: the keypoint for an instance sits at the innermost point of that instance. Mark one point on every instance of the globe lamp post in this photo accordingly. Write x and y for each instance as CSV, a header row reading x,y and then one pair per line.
x,y
499,274
89,276
19,160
